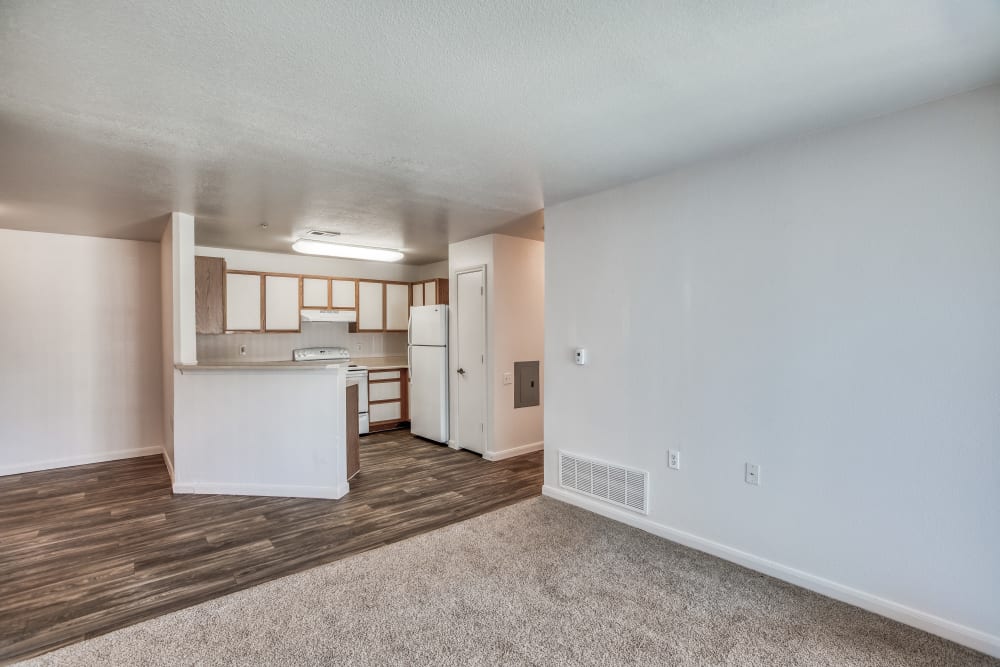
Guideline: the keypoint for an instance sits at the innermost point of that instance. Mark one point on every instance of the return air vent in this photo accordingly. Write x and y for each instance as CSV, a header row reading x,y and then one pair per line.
x,y
614,484
320,235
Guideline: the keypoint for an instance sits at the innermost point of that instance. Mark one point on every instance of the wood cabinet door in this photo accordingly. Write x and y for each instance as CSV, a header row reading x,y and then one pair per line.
x,y
371,306
243,299
281,303
430,293
315,293
353,428
210,295
417,298
397,306
343,294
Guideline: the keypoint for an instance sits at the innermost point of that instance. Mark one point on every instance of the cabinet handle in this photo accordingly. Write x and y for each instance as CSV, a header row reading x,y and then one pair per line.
x,y
461,371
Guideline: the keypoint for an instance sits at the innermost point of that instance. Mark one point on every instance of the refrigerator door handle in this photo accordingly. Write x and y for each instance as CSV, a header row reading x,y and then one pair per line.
x,y
409,330
409,364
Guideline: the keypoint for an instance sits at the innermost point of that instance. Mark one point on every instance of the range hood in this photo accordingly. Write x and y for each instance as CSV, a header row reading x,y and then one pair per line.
x,y
329,316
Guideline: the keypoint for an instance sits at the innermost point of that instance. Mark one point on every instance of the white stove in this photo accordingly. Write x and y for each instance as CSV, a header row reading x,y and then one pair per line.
x,y
355,375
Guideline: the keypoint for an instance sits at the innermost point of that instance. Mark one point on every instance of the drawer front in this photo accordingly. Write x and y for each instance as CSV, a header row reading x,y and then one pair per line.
x,y
383,375
383,391
381,412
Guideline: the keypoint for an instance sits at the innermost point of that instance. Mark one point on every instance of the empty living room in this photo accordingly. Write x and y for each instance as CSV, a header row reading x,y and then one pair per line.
x,y
500,333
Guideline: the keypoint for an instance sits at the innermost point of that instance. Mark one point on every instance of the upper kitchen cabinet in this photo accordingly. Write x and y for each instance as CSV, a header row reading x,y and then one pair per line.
x,y
343,293
417,294
316,293
210,295
435,291
371,307
329,293
244,299
281,303
397,306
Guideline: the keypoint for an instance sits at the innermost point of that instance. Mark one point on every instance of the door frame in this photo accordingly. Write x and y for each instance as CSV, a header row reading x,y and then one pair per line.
x,y
487,360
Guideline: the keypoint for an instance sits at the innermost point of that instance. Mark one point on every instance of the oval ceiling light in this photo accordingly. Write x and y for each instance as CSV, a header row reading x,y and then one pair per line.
x,y
307,247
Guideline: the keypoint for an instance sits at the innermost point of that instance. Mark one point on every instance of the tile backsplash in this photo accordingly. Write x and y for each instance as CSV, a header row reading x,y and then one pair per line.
x,y
276,347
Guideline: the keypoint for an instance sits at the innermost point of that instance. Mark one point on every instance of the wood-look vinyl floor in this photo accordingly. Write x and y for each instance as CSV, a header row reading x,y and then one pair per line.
x,y
93,548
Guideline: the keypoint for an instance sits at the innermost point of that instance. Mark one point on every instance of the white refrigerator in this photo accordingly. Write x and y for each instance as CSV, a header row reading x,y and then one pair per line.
x,y
427,352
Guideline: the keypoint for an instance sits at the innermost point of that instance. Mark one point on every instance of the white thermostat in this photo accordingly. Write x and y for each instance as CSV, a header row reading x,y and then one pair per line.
x,y
580,355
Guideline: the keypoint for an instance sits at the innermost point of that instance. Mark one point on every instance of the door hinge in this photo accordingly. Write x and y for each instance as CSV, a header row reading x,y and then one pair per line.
x,y
480,291
481,427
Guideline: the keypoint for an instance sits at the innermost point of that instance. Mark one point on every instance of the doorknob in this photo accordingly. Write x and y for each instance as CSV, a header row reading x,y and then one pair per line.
x,y
461,371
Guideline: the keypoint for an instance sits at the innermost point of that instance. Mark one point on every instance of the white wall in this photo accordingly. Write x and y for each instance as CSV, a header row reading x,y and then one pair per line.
x,y
79,350
828,308
167,339
428,271
514,332
518,330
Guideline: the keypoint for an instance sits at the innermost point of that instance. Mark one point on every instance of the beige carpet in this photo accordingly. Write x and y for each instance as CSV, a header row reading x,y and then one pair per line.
x,y
537,583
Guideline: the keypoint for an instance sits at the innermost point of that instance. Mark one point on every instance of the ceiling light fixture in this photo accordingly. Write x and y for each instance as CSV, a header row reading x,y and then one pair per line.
x,y
308,247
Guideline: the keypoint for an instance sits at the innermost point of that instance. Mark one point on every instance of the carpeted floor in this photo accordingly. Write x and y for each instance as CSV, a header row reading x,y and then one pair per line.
x,y
537,583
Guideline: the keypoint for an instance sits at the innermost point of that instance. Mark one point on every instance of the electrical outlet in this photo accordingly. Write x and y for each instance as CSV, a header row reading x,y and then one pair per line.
x,y
243,350
674,459
753,474
357,347
508,378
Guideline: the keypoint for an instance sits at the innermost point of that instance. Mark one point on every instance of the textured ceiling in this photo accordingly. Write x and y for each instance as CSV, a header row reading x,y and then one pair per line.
x,y
415,124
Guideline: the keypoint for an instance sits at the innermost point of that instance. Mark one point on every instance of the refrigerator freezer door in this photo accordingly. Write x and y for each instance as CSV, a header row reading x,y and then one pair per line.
x,y
428,325
429,392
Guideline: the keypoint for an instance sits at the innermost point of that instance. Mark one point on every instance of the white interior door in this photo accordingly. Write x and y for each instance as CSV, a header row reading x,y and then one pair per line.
x,y
470,373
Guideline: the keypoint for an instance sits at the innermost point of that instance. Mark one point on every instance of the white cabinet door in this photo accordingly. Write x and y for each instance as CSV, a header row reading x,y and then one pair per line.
x,y
381,412
397,306
418,294
242,302
281,303
343,294
315,293
370,306
384,391
430,293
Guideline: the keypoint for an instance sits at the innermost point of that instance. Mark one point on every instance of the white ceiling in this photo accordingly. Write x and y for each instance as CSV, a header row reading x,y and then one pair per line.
x,y
414,124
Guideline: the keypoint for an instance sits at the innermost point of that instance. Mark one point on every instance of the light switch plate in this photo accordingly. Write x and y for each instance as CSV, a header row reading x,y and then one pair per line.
x,y
753,474
508,378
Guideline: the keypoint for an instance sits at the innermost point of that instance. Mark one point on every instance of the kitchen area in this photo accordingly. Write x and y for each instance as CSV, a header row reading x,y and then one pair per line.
x,y
293,370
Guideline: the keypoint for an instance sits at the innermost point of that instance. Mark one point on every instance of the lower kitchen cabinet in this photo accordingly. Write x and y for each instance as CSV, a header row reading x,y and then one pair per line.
x,y
388,404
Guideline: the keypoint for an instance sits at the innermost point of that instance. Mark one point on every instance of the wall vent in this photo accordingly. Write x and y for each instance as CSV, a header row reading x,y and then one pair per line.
x,y
615,484
320,235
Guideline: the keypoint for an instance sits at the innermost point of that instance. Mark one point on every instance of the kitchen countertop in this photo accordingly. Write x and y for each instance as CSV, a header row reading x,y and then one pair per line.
x,y
373,363
381,363
259,365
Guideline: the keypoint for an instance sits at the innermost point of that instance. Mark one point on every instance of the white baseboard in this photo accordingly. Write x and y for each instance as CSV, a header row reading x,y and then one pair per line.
x,y
514,451
170,465
83,459
960,634
282,490
453,444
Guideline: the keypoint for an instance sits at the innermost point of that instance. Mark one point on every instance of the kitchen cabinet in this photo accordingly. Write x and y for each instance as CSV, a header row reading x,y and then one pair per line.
x,y
244,296
281,304
371,306
316,293
388,405
352,432
329,293
435,291
417,296
397,306
343,293
210,295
